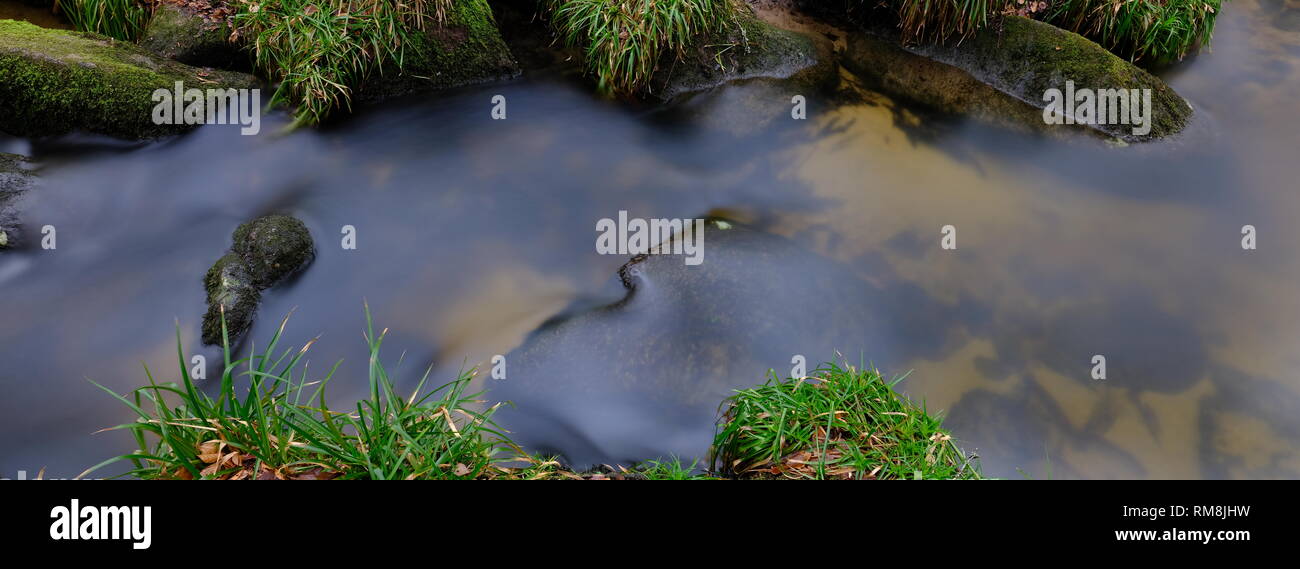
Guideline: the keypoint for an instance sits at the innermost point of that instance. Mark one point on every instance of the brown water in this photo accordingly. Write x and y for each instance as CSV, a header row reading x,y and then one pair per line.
x,y
43,16
473,232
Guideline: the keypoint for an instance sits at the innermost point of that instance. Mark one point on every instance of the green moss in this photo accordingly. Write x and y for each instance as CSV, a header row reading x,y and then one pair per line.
x,y
748,48
273,247
1026,57
186,36
54,81
265,252
229,289
884,65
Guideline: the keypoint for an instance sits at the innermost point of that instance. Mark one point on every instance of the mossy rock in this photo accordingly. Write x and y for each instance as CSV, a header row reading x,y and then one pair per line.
x,y
272,247
230,289
466,49
881,62
266,251
53,82
749,49
1024,58
182,34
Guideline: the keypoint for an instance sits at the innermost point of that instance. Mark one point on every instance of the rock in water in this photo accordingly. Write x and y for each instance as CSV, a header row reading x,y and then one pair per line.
x,y
54,81
1002,73
14,180
230,290
266,251
182,34
642,378
272,247
751,48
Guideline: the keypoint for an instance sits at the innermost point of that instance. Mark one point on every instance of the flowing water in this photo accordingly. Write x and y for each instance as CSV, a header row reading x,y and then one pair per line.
x,y
474,233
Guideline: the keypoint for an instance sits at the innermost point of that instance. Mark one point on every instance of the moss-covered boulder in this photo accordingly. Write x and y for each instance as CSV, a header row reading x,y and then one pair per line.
x,y
189,37
53,82
230,291
465,49
272,248
265,251
1004,72
750,49
882,63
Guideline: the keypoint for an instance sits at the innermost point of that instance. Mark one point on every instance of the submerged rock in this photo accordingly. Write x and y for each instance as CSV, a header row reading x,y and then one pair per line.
x,y
1002,73
466,49
750,49
266,251
53,82
15,179
185,35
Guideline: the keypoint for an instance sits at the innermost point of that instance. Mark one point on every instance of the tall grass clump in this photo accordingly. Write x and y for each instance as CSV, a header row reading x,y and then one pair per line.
x,y
624,39
320,52
840,422
279,425
1156,30
118,19
938,20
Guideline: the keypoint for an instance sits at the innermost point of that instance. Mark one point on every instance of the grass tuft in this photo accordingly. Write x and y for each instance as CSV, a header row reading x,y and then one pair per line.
x,y
280,426
624,40
319,52
1148,30
841,422
118,19
1156,30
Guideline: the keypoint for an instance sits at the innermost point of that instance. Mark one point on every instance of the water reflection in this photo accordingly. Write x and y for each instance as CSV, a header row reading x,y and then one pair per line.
x,y
472,233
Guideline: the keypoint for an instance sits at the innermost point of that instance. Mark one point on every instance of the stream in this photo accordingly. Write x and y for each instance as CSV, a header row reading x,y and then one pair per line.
x,y
473,234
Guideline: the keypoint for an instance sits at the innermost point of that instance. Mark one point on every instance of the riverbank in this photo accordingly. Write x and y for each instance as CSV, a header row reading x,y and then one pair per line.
x,y
836,423
637,50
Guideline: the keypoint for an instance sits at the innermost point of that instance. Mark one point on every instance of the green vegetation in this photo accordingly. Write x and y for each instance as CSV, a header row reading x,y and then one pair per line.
x,y
1156,30
938,20
842,423
118,19
838,423
671,469
624,40
281,426
319,53
56,81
